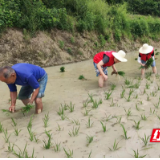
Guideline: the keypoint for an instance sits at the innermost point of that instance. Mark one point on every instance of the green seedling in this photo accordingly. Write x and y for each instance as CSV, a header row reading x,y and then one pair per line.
x,y
140,102
112,103
90,154
107,95
85,104
36,139
48,144
158,117
157,105
86,112
135,59
137,108
30,122
74,132
1,127
7,112
153,94
96,103
56,147
119,119
137,125
136,154
122,94
59,128
136,85
14,123
157,53
45,120
152,111
148,98
136,96
89,124
145,140
121,73
115,146
103,127
125,132
91,98
6,136
62,69
10,148
71,107
147,85
127,82
76,122
68,154
89,140
158,88
27,108
144,91
63,117
143,117
16,131
31,134
61,111
108,118
113,86
128,113
81,77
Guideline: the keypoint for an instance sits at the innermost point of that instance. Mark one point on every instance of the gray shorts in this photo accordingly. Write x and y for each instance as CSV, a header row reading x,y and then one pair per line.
x,y
26,91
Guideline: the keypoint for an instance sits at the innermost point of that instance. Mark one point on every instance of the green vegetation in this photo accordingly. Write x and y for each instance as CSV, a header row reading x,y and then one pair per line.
x,y
62,69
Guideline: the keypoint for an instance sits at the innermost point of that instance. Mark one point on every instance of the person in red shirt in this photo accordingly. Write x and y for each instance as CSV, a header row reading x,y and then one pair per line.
x,y
145,53
105,59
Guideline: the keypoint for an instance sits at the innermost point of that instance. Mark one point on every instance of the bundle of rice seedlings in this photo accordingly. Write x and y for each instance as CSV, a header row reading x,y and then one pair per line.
x,y
148,64
121,73
27,108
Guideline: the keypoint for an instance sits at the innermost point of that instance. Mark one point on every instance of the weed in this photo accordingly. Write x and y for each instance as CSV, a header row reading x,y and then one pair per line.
x,y
158,87
45,120
68,154
72,40
125,132
62,69
89,140
31,134
143,117
74,132
56,147
81,77
145,140
140,102
6,136
136,154
71,107
14,123
107,95
115,146
128,113
89,124
103,127
122,94
16,131
137,125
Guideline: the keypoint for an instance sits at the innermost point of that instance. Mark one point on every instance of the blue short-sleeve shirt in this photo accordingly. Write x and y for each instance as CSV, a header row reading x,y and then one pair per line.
x,y
27,75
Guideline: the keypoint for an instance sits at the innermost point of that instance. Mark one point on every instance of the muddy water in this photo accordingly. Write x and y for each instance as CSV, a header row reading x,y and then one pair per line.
x,y
65,88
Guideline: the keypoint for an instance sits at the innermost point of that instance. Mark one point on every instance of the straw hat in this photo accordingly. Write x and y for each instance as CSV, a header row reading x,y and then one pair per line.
x,y
120,56
145,49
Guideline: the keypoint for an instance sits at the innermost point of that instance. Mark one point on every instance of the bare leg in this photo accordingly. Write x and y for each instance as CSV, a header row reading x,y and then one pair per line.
x,y
25,101
101,81
142,73
39,105
154,70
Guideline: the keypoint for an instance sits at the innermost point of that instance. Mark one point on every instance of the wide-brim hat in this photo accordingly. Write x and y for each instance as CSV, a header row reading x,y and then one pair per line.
x,y
120,56
145,49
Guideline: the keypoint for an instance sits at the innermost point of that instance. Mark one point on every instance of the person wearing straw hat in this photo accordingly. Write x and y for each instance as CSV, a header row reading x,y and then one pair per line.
x,y
145,53
105,59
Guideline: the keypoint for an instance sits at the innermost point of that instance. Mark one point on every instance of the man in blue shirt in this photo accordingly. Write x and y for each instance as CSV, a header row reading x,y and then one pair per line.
x,y
32,78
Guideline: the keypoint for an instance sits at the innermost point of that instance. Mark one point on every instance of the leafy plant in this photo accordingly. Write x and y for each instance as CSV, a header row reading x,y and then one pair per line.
x,y
115,146
74,132
91,98
62,69
68,154
127,82
89,124
103,127
76,122
89,140
63,117
108,118
90,154
125,132
148,98
136,154
107,95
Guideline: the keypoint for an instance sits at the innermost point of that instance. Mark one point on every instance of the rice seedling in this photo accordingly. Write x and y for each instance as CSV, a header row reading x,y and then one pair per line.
x,y
136,96
47,144
69,154
152,111
103,127
122,94
158,117
45,120
16,131
1,127
128,113
148,64
91,98
113,86
61,111
56,147
147,85
89,140
63,117
157,105
90,154
157,53
96,103
14,123
136,154
65,106
89,124
31,134
148,98
145,140
143,117
86,112
62,69
140,102
136,85
7,112
81,77
30,122
59,128
127,82
71,107
121,73
85,104
26,109
119,119
10,148
125,132
137,108
137,125
36,139
144,91
115,146
112,103
107,95
76,122
108,118
153,94
6,136
74,132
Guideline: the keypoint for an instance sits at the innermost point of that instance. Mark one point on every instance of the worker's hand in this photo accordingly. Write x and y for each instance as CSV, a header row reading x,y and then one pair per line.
x,y
114,72
12,109
143,64
105,77
30,102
